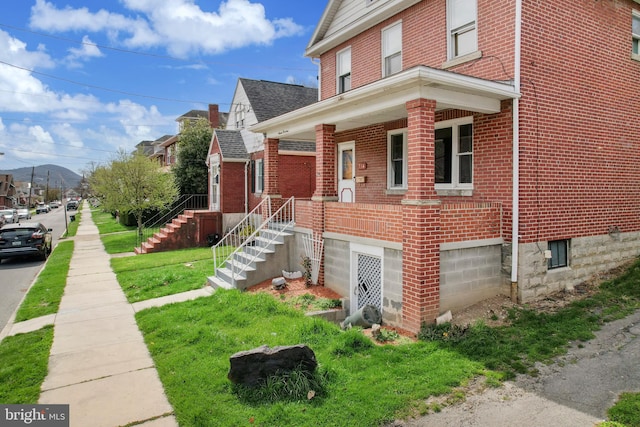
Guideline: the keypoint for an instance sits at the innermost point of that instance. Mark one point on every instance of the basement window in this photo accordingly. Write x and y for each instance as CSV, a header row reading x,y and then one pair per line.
x,y
559,254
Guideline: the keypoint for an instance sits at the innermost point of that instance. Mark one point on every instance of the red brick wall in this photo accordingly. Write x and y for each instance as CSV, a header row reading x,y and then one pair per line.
x,y
304,213
232,187
424,42
297,176
469,221
579,114
382,222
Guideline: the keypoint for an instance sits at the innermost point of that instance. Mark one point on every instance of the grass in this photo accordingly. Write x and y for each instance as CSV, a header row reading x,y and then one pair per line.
x,y
116,238
626,411
45,294
191,344
72,226
309,302
165,273
107,223
23,366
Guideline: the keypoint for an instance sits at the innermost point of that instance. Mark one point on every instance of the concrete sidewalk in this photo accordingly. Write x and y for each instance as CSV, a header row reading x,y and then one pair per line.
x,y
99,363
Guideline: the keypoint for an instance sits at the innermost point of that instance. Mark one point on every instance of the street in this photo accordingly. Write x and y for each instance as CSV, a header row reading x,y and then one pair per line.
x,y
17,274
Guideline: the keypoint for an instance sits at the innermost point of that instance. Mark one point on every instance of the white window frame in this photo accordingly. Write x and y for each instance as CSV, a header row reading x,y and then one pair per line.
x,y
455,124
455,30
391,185
387,32
635,35
343,68
239,113
259,176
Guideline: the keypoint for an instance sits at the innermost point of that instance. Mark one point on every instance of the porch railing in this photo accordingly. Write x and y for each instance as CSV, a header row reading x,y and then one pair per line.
x,y
164,216
250,247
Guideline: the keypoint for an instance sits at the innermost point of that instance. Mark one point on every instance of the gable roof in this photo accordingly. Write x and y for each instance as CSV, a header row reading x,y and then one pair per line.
x,y
344,19
231,144
194,114
272,99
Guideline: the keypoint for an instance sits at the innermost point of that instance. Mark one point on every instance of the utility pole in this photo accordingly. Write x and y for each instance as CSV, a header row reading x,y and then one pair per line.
x,y
46,194
33,168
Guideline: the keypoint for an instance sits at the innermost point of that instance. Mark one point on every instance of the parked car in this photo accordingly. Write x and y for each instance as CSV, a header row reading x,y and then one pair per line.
x,y
72,205
55,204
25,239
10,215
24,213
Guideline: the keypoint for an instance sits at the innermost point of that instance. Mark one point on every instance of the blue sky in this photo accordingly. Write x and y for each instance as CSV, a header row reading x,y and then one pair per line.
x,y
80,80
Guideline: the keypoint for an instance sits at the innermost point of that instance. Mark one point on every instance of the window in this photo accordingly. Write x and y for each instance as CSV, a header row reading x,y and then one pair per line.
x,y
454,154
397,159
259,176
635,34
463,35
343,60
392,49
239,116
559,254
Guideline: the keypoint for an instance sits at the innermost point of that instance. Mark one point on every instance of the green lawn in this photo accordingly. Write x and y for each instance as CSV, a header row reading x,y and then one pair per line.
x,y
106,223
159,274
24,362
363,384
45,294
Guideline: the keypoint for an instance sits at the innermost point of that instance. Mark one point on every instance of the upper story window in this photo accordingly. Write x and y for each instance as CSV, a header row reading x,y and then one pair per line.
x,y
454,154
343,65
462,18
635,34
397,159
392,49
239,116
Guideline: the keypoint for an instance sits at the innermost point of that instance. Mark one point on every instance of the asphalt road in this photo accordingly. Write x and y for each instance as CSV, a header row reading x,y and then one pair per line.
x,y
17,274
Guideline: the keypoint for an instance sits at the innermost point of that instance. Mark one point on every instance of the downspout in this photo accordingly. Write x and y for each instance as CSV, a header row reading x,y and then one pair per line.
x,y
246,188
515,216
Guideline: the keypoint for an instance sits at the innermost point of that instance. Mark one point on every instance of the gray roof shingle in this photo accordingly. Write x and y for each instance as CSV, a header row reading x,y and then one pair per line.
x,y
231,144
272,99
304,146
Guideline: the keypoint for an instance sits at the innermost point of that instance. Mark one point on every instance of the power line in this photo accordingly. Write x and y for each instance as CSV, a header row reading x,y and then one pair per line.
x,y
153,55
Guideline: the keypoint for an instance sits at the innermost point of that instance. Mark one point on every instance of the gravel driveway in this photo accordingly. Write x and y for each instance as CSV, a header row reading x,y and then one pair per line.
x,y
576,390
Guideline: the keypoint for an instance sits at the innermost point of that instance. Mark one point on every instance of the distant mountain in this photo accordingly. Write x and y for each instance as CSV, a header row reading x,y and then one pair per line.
x,y
57,176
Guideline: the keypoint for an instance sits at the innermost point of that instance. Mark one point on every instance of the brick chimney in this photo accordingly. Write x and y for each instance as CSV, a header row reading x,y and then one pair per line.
x,y
214,116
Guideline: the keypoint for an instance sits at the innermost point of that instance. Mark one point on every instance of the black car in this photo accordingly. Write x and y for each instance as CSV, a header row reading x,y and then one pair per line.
x,y
25,239
72,205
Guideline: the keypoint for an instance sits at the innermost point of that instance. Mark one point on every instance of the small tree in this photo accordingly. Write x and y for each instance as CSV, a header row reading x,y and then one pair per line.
x,y
193,147
133,184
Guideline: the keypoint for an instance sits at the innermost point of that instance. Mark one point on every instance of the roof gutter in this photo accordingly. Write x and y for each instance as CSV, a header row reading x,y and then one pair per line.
x,y
515,201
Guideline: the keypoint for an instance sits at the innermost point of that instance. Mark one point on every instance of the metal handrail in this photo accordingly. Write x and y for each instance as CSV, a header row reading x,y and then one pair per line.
x,y
244,228
184,202
284,217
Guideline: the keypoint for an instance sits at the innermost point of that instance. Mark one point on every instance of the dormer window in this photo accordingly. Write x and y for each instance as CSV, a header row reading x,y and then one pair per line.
x,y
392,49
343,65
462,16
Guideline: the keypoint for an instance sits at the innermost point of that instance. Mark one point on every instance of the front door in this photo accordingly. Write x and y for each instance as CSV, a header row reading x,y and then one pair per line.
x,y
346,172
214,197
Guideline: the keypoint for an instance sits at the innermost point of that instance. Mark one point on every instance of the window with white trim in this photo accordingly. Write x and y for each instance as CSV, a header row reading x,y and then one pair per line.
x,y
239,116
343,66
635,34
259,175
454,154
397,159
392,49
462,21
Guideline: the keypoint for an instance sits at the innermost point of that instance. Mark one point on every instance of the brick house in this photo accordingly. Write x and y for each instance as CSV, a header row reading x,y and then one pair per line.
x,y
236,155
7,191
468,148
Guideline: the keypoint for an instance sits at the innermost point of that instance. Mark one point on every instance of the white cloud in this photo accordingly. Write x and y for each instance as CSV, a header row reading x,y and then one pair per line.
x,y
180,26
86,51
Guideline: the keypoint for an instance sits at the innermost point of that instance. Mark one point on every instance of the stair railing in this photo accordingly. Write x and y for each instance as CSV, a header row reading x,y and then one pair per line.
x,y
223,250
281,221
184,202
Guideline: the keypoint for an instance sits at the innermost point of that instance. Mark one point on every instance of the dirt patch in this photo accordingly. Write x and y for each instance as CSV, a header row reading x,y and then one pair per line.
x,y
295,287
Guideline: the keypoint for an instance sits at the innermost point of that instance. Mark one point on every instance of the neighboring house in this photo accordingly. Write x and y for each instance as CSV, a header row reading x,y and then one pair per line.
x,y
7,191
159,150
146,147
469,148
236,155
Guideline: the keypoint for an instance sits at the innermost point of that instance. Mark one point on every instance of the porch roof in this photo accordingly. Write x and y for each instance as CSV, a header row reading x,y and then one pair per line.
x,y
385,99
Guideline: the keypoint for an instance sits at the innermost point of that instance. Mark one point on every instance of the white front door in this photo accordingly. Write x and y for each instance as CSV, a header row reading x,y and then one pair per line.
x,y
214,196
346,172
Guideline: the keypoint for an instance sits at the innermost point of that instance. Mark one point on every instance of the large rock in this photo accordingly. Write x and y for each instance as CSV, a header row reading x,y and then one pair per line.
x,y
252,367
